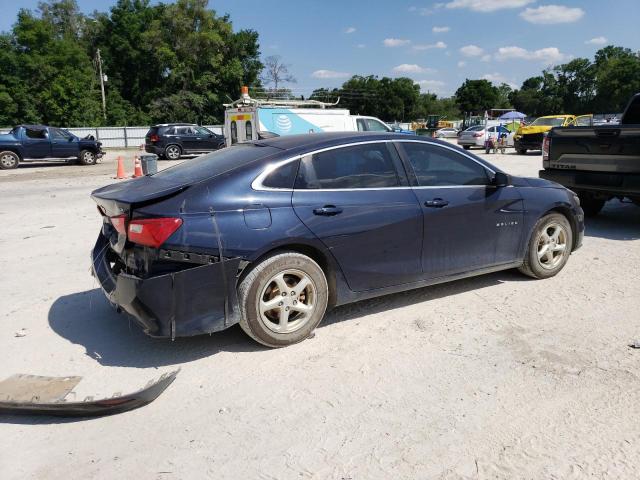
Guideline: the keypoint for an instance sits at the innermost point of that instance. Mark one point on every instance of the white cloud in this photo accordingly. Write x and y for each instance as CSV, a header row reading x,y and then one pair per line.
x,y
350,30
498,79
461,64
411,68
552,14
421,11
440,29
597,41
486,58
434,86
360,45
471,51
430,46
395,42
487,5
329,74
547,56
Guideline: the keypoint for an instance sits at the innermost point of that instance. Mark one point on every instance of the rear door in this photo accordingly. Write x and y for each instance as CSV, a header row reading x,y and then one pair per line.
x,y
468,223
36,142
188,137
356,200
63,144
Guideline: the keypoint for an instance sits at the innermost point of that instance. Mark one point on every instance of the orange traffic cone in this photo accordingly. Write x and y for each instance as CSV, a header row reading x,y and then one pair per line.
x,y
137,168
120,172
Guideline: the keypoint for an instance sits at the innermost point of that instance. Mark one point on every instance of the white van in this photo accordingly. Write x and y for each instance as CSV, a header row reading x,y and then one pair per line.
x,y
250,119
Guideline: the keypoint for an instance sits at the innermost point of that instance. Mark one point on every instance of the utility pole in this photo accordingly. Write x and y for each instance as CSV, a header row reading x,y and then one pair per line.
x,y
104,103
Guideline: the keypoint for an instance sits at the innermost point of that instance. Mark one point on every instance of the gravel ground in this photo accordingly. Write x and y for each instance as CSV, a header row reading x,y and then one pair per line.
x,y
492,377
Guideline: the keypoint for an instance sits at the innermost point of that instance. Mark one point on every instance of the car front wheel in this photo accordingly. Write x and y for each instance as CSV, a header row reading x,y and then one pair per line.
x,y
549,247
282,299
87,157
172,152
9,160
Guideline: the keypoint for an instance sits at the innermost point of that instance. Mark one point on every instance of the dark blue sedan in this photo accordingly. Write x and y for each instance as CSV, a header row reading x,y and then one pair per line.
x,y
272,233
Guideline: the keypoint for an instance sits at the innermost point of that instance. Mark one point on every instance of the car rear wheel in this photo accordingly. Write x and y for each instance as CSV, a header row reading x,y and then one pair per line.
x,y
522,151
549,247
282,299
8,160
172,152
87,157
467,147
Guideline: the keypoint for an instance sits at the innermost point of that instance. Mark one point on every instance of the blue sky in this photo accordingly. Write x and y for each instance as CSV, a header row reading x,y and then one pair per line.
x,y
438,44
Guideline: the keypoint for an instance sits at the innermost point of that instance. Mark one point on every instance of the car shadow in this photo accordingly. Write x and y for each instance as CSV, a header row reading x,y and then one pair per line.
x,y
616,221
41,164
113,339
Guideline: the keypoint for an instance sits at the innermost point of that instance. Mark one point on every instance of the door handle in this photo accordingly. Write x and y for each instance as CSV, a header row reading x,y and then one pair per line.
x,y
436,203
327,210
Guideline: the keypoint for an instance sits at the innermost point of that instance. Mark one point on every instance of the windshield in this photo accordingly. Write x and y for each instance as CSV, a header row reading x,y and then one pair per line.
x,y
549,122
215,163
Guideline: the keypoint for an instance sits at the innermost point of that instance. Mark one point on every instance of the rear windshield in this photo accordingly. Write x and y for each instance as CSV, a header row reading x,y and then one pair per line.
x,y
475,129
549,122
216,163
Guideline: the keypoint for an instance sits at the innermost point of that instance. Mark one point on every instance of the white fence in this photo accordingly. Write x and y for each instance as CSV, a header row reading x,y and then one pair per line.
x,y
118,137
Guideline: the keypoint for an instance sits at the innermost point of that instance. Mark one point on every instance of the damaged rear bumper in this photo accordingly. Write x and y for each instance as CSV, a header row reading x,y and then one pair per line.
x,y
193,301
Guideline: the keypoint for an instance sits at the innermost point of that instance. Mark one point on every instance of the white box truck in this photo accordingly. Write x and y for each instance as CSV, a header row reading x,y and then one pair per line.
x,y
249,119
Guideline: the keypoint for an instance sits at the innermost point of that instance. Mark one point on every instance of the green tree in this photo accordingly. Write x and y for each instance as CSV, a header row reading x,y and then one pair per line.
x,y
476,96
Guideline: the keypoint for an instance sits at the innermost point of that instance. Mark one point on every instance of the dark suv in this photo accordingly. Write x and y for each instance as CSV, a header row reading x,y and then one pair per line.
x,y
172,140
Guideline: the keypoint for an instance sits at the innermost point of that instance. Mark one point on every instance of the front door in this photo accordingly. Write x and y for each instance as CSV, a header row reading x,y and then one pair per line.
x,y
468,223
207,141
36,143
356,200
63,144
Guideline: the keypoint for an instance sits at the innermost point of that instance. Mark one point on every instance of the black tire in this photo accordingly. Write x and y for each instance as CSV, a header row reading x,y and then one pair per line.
x,y
9,160
87,157
536,267
591,205
467,147
256,285
172,152
522,151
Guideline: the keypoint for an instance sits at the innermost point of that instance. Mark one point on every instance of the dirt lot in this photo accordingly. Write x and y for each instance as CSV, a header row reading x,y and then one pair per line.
x,y
492,377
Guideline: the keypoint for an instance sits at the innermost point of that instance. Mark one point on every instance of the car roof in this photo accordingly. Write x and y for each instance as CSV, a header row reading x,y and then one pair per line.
x,y
175,125
35,127
562,115
319,140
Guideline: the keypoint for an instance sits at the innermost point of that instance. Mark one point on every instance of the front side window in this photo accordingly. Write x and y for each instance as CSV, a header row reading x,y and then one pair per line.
x,y
436,166
376,126
58,134
360,166
203,131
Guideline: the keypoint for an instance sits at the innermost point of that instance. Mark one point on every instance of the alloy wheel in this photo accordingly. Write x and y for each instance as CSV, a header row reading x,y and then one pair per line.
x,y
287,301
8,160
173,153
552,245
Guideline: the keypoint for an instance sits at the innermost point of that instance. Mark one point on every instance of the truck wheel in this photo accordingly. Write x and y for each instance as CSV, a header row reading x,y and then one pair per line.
x,y
282,299
8,160
522,151
549,247
590,205
87,157
172,152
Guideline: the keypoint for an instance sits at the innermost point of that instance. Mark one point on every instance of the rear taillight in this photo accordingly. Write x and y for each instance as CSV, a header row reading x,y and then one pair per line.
x,y
154,138
478,135
120,224
546,143
152,232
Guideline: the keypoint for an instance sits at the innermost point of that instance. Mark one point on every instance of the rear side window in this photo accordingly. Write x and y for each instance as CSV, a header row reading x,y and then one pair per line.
x,y
436,166
35,133
359,166
282,177
215,163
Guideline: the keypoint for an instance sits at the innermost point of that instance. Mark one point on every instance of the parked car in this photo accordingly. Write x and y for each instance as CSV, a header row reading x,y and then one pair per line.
x,y
475,136
447,133
40,142
270,234
600,163
172,140
529,137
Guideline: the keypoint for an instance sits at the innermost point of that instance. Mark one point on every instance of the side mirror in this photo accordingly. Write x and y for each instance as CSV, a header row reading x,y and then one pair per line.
x,y
500,179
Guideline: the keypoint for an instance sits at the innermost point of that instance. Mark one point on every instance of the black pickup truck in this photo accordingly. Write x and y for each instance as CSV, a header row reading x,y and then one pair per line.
x,y
598,163
40,142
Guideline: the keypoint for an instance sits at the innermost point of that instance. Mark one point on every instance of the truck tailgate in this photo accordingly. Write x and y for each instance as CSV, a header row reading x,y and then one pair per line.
x,y
611,149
